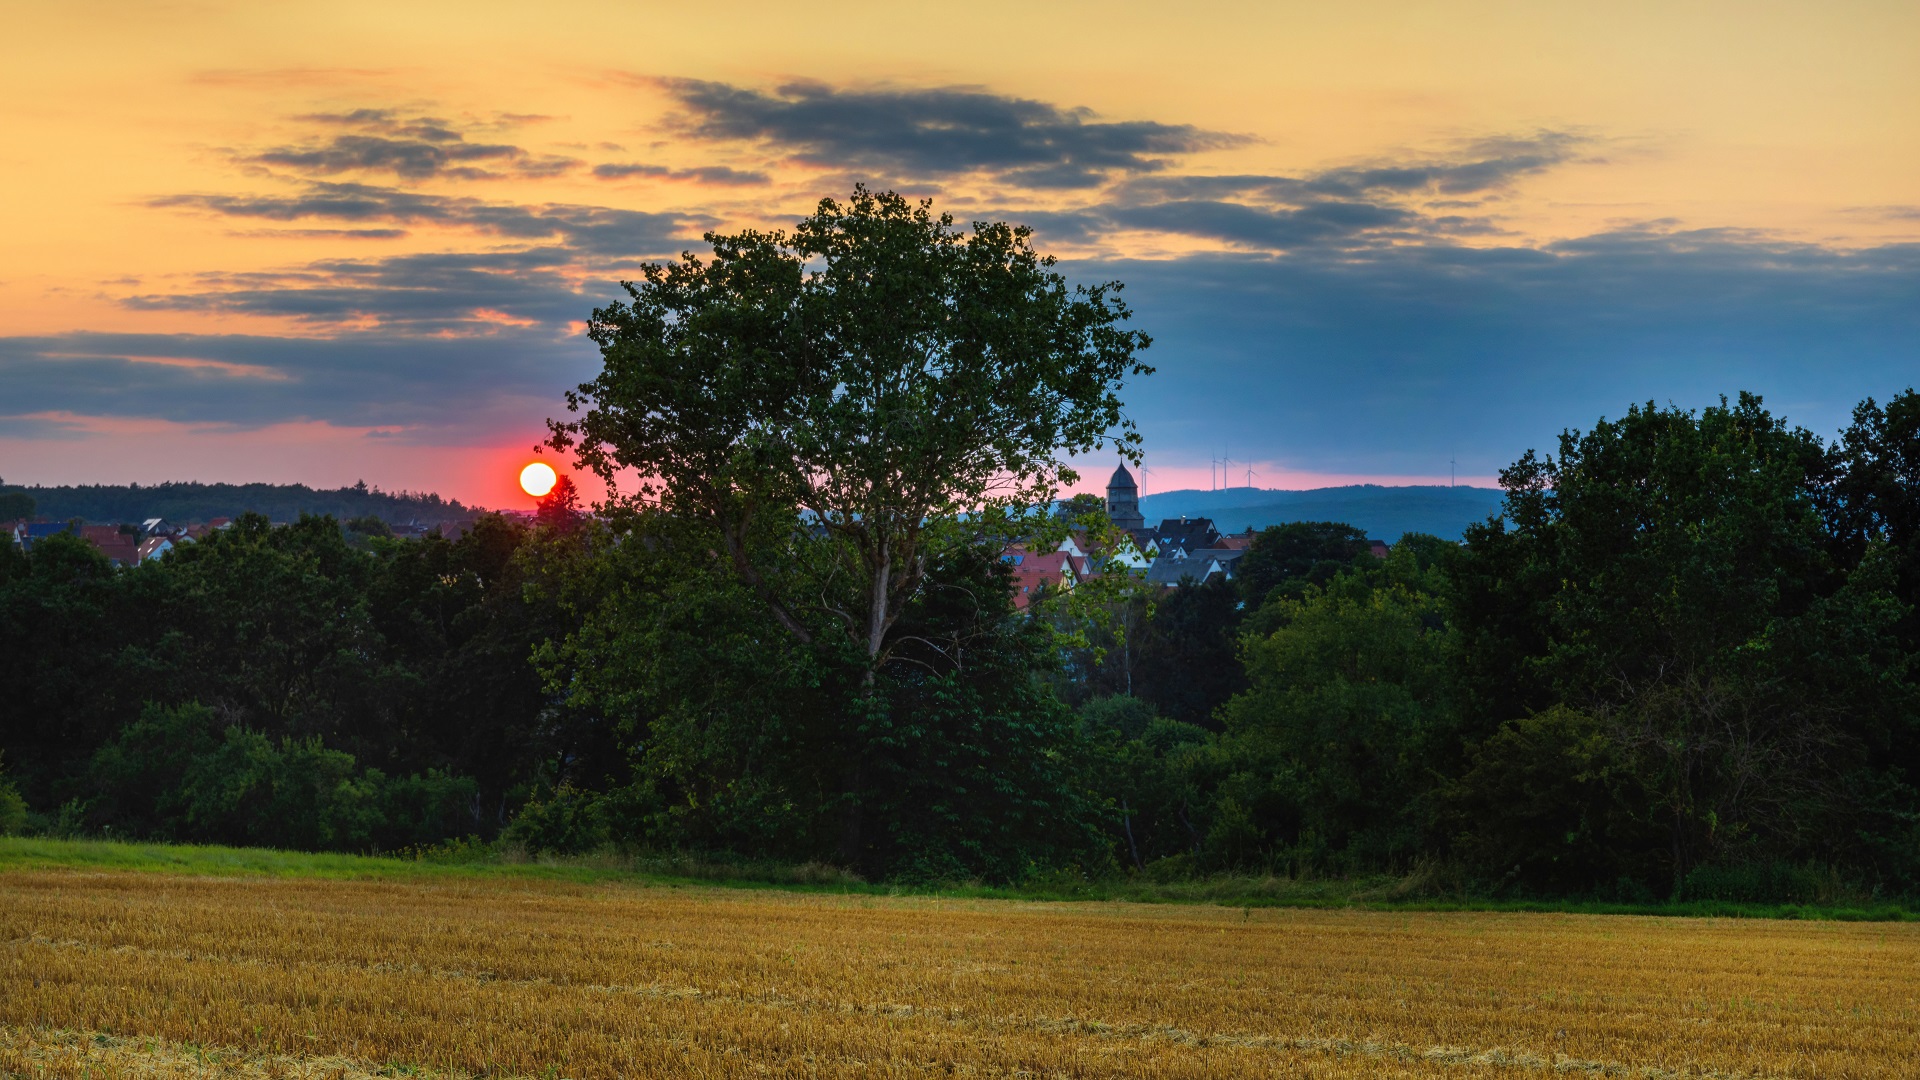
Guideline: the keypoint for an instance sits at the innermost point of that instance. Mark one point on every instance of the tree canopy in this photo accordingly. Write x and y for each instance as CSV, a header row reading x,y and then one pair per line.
x,y
878,370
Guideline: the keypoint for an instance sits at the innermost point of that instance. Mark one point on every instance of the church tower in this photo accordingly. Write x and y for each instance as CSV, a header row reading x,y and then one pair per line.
x,y
1123,500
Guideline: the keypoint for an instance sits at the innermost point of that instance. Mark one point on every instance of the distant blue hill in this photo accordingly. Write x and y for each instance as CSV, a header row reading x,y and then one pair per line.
x,y
1384,512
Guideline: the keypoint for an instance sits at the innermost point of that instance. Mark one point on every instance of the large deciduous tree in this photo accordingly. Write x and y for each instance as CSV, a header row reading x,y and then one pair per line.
x,y
878,372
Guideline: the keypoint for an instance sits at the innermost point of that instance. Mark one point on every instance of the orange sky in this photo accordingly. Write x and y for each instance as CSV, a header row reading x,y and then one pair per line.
x,y
124,122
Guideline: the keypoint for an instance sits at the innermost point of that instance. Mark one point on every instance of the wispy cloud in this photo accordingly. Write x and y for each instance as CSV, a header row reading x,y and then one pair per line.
x,y
409,147
594,230
719,175
453,293
427,386
1342,208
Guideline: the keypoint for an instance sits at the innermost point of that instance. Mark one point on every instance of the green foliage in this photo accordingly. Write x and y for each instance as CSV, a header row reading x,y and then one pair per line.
x,y
411,657
1768,882
1332,746
567,822
181,774
1671,578
1298,554
188,502
837,422
369,526
1184,662
16,506
961,762
1546,805
878,369
13,808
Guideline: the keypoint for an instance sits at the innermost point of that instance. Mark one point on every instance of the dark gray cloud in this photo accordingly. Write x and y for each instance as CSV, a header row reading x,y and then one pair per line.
x,y
1340,208
590,230
409,147
1283,229
706,174
936,132
1482,165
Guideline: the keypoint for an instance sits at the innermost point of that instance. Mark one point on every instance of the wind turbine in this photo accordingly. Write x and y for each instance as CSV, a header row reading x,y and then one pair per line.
x,y
1249,475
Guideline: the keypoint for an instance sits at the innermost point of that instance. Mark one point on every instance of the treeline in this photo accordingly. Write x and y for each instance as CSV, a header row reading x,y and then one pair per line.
x,y
299,686
182,503
1679,663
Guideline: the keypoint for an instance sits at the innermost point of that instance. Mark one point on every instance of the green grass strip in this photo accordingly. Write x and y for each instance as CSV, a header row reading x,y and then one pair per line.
x,y
1374,893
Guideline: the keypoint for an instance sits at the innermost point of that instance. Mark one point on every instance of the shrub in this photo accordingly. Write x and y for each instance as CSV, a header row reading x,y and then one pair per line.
x,y
13,808
567,822
179,774
1757,882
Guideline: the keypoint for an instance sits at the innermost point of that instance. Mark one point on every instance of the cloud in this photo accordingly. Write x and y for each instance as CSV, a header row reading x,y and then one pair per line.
x,y
453,293
709,174
430,389
937,132
1286,229
1483,165
1886,213
341,234
589,230
410,147
1344,208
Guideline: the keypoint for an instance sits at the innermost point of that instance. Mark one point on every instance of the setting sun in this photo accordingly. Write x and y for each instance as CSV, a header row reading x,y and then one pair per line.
x,y
537,479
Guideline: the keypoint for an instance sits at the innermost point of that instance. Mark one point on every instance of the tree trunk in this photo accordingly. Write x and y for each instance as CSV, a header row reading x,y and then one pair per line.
x,y
877,606
1126,822
854,774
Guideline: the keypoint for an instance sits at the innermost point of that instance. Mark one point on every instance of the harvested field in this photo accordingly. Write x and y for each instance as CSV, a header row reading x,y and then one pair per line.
x,y
111,974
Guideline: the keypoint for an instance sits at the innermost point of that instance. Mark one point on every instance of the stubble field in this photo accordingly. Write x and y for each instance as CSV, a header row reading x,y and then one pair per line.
x,y
130,974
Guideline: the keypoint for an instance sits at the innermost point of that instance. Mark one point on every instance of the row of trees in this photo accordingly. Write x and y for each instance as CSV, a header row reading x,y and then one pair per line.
x,y
179,698
1679,662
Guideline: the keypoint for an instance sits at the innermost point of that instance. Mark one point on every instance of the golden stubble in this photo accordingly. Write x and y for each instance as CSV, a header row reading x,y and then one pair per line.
x,y
124,974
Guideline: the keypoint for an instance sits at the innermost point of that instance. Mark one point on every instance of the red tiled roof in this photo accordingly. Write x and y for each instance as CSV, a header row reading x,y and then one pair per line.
x,y
122,549
1054,570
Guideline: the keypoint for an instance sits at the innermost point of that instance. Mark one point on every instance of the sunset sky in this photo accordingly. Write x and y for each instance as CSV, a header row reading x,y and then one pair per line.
x,y
327,242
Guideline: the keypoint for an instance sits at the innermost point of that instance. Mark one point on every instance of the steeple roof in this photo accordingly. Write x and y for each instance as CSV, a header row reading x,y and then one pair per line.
x,y
1122,479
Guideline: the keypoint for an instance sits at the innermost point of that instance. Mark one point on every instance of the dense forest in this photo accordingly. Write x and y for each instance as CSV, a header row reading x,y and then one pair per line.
x,y
1679,662
184,503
